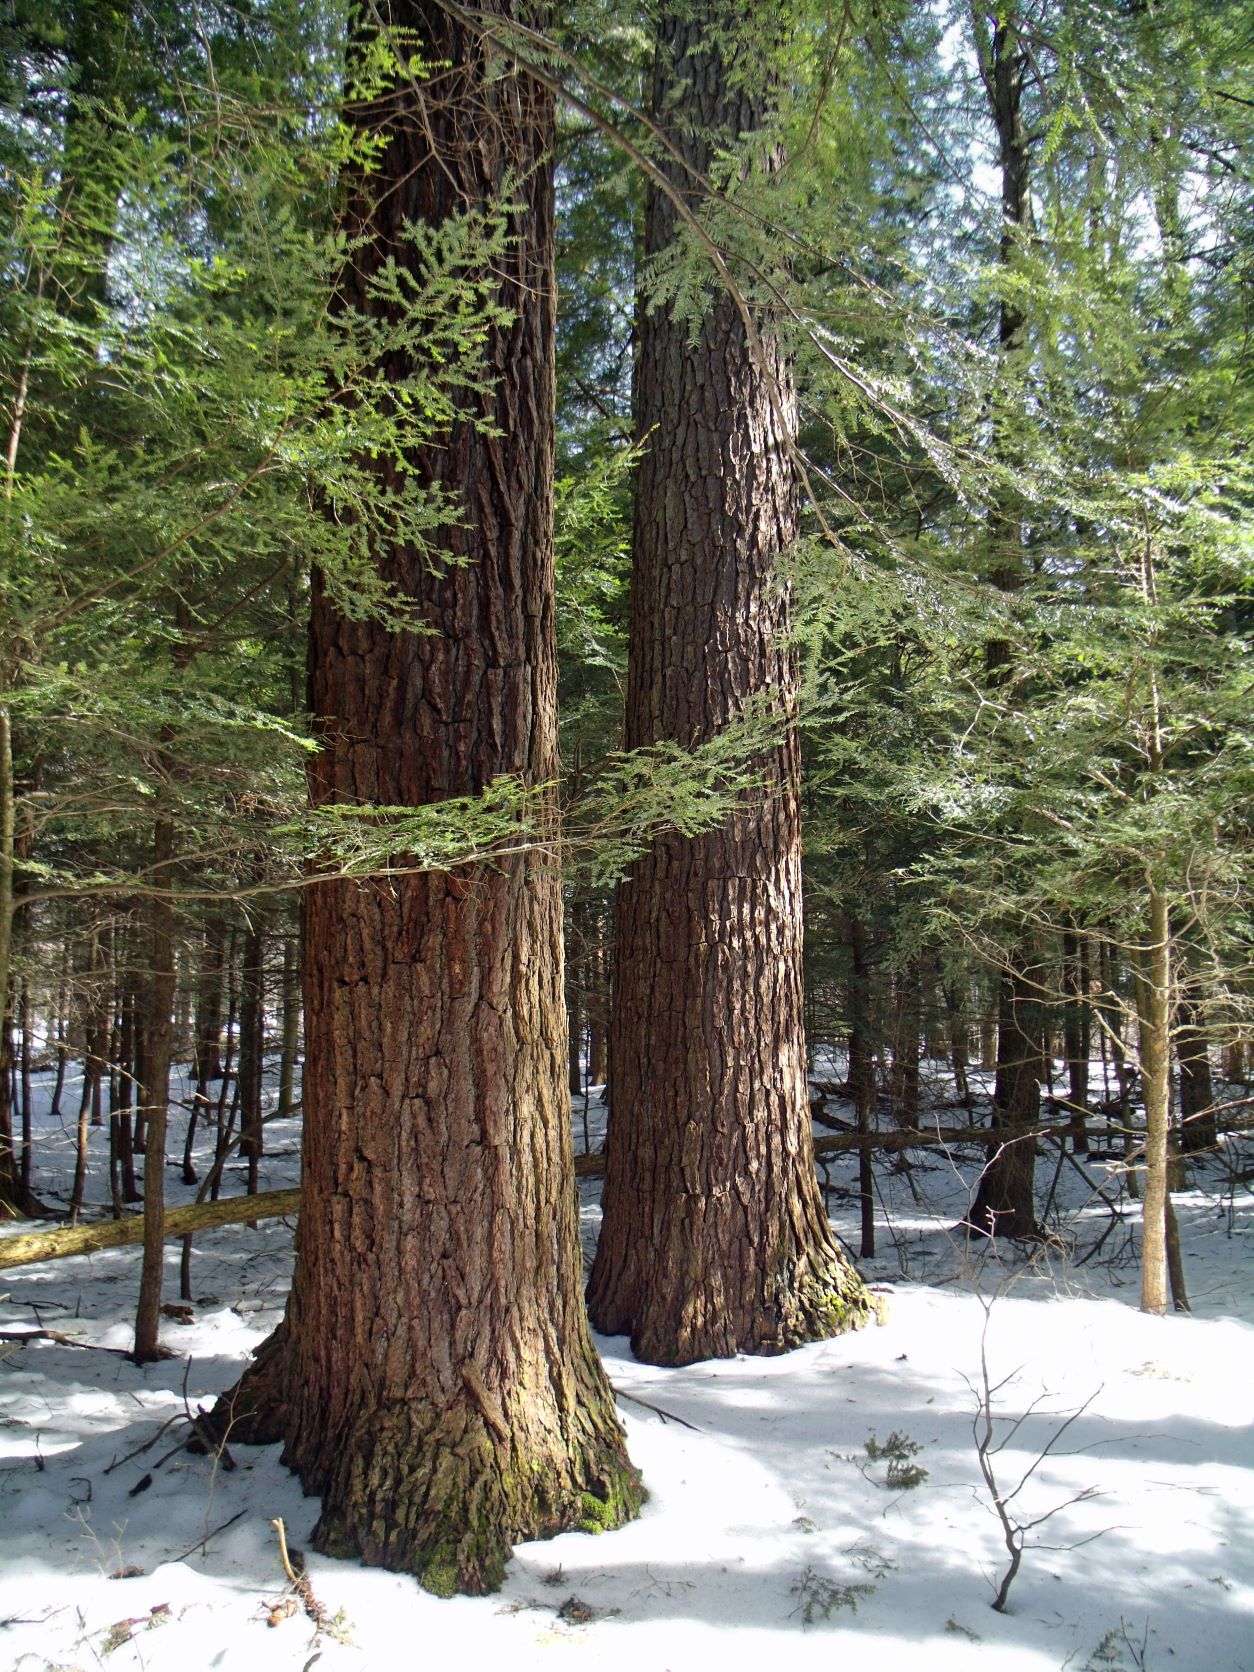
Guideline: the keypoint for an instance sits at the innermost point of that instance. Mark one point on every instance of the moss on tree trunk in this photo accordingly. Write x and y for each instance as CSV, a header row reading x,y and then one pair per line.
x,y
434,1378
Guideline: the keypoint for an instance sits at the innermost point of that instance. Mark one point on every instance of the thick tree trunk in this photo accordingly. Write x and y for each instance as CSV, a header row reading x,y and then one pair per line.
x,y
434,1378
714,1239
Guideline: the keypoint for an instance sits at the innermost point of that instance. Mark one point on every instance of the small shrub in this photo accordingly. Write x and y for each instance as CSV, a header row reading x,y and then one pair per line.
x,y
818,1598
898,1452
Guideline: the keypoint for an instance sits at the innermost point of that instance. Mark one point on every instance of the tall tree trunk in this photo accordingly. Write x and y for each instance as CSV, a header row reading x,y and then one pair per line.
x,y
155,1092
1077,1034
1004,1205
904,1079
1153,990
862,1077
959,1039
434,1378
209,1002
1197,1094
598,1002
16,1200
290,1048
252,1029
24,1084
576,964
714,1239
122,1147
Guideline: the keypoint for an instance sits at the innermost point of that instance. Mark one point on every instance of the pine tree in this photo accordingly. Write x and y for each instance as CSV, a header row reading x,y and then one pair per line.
x,y
434,1378
714,1239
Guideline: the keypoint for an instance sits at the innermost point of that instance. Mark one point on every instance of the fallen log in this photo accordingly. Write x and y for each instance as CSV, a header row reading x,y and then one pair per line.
x,y
34,1247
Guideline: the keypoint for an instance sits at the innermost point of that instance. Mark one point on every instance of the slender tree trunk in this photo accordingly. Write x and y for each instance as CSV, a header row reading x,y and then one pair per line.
x,y
576,964
862,1077
98,1030
16,1201
24,1086
1154,1023
156,1094
252,1024
209,1002
1077,1034
1198,1132
904,1080
434,1378
1004,1205
92,1007
290,1049
122,1145
228,1091
959,1041
714,1239
598,1004
59,1038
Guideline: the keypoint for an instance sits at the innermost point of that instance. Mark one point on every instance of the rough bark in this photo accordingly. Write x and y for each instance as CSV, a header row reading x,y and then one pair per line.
x,y
714,1239
434,1378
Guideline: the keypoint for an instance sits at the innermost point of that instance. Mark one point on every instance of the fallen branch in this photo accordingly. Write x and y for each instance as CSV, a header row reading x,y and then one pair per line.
x,y
37,1246
60,1338
213,1533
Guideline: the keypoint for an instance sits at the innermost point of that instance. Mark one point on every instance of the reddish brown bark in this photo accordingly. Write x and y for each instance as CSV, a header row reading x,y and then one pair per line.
x,y
434,1378
714,1237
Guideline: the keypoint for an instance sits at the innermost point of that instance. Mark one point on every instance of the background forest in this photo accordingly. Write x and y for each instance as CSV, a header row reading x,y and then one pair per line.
x,y
974,283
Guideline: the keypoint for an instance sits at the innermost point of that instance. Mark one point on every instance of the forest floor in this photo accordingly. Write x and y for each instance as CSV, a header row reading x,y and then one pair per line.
x,y
826,1507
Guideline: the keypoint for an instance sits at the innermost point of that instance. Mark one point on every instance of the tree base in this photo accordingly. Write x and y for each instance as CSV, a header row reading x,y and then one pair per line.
x,y
439,1494
1001,1225
671,1330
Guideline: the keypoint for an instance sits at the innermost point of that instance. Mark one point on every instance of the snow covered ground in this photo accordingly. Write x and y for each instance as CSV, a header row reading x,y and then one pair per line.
x,y
772,1527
